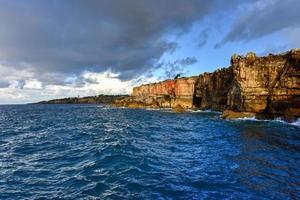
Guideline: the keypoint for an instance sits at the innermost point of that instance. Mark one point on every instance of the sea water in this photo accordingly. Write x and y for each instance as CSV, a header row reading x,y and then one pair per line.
x,y
100,152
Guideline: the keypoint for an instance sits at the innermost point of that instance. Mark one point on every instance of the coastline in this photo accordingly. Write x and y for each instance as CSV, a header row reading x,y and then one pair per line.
x,y
261,87
99,99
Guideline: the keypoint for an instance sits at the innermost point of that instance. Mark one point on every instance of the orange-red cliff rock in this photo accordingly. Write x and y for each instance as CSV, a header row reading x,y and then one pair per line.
x,y
268,86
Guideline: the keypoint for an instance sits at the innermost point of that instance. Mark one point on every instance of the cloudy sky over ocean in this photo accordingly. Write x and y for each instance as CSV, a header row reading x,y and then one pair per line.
x,y
59,48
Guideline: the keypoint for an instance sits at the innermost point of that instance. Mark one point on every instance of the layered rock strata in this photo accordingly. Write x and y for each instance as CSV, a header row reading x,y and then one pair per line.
x,y
165,94
264,86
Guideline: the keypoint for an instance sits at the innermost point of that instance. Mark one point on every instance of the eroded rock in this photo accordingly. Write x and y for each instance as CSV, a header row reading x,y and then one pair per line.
x,y
178,108
230,114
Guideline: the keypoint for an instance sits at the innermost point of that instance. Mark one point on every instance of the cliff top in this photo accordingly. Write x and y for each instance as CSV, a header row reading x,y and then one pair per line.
x,y
294,53
159,82
250,56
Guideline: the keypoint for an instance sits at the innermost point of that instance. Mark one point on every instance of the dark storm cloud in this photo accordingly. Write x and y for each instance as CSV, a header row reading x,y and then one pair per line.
x,y
185,62
263,18
66,37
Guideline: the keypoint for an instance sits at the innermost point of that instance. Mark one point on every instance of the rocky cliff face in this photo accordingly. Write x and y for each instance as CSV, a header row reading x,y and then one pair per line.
x,y
268,86
212,89
166,94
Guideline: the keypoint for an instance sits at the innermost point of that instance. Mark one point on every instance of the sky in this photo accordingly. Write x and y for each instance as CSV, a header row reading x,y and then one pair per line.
x,y
59,48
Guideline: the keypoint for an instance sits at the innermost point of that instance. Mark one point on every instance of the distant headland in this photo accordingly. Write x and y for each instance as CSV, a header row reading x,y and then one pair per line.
x,y
99,99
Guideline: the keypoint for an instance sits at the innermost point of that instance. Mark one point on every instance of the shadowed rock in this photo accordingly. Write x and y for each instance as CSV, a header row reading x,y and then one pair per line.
x,y
178,109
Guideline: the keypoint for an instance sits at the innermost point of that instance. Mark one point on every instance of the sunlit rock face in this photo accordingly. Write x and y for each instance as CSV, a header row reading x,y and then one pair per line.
x,y
184,92
169,93
207,91
268,86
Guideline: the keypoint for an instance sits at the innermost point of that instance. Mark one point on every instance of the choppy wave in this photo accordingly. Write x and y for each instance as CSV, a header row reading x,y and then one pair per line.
x,y
296,123
249,119
279,120
203,111
160,109
102,152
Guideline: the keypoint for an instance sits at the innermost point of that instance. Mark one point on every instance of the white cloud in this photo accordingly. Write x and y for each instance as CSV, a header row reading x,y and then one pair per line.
x,y
33,84
14,84
91,83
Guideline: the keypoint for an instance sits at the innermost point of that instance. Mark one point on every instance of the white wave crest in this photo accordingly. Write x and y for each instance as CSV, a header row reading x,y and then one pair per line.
x,y
296,123
202,111
280,120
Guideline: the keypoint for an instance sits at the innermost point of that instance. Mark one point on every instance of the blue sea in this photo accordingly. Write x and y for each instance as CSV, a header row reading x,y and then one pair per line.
x,y
100,152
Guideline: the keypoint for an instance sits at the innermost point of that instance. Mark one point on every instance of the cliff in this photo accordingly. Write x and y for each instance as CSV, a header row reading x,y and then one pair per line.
x,y
165,94
266,87
212,89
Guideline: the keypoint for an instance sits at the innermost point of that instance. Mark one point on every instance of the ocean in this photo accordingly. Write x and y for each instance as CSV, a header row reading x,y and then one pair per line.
x,y
101,152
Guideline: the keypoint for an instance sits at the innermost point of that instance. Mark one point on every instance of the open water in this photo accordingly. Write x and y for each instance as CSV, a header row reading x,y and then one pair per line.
x,y
99,152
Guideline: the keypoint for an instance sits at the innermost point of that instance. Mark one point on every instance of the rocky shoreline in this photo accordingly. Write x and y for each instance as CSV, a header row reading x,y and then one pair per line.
x,y
263,87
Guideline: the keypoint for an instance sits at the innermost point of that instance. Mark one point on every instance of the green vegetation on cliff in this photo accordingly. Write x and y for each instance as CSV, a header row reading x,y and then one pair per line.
x,y
100,99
